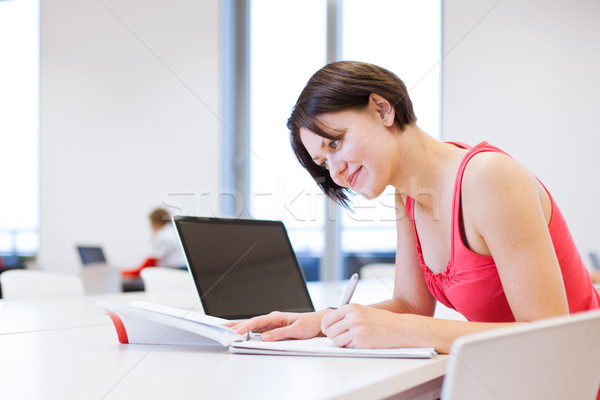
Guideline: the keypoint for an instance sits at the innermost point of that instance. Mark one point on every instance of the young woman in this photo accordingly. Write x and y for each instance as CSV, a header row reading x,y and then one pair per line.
x,y
476,231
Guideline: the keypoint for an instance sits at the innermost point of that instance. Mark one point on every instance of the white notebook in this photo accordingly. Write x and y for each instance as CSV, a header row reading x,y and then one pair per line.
x,y
322,346
148,323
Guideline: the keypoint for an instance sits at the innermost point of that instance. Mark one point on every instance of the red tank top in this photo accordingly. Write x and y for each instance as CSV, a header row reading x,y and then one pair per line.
x,y
471,284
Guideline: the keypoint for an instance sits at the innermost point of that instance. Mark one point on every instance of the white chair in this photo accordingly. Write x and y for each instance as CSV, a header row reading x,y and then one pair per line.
x,y
162,279
381,271
27,284
556,358
100,278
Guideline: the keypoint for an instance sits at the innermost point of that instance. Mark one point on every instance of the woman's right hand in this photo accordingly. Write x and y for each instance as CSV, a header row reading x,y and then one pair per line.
x,y
282,325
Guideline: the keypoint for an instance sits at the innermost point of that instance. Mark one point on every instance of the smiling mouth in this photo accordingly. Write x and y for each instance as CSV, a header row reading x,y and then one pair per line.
x,y
353,178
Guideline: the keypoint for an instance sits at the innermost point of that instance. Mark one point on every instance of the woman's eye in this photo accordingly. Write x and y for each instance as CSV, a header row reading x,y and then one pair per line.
x,y
324,164
334,143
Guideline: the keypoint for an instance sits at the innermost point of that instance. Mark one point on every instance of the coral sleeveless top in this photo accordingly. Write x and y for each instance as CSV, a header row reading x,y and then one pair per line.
x,y
471,284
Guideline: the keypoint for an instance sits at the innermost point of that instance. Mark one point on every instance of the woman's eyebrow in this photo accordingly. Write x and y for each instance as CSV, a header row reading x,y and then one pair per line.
x,y
333,133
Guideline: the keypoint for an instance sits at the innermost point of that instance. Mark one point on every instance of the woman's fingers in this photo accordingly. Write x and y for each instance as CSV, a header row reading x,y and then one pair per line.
x,y
343,340
286,332
234,324
331,318
346,326
337,324
261,323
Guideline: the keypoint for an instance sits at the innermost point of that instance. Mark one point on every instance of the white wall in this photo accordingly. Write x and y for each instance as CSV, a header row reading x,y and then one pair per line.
x,y
126,83
523,75
130,99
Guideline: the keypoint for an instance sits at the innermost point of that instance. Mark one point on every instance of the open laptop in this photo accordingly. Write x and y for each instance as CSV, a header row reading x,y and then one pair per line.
x,y
96,274
556,358
242,268
91,255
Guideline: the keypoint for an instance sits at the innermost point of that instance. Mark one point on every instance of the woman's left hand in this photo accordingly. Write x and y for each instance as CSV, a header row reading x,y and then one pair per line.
x,y
367,327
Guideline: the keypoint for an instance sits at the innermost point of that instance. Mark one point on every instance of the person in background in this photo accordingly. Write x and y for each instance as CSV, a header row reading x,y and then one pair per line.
x,y
166,250
595,276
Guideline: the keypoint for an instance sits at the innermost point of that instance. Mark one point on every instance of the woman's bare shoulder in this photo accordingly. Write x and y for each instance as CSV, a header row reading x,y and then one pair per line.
x,y
492,173
497,188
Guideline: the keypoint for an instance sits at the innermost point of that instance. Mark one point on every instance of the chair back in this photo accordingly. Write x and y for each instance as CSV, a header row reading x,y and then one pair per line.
x,y
27,284
556,358
98,279
163,279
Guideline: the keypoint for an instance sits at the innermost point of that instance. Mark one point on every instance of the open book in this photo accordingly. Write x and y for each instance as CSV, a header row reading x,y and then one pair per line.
x,y
148,323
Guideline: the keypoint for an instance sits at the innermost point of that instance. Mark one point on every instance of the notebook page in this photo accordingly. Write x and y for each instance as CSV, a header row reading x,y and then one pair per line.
x,y
322,346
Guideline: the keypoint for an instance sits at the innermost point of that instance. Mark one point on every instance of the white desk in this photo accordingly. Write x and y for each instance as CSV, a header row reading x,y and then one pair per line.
x,y
60,313
68,349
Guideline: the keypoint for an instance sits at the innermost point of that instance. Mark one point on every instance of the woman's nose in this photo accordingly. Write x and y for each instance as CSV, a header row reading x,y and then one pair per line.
x,y
336,168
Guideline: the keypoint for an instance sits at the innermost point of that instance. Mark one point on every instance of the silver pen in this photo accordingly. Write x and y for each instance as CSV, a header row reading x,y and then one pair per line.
x,y
350,289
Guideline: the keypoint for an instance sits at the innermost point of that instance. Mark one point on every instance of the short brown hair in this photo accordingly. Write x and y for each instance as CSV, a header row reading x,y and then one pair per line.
x,y
341,86
160,217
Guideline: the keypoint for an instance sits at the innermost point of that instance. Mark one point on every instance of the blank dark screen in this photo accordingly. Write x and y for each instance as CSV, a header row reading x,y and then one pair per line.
x,y
243,268
91,255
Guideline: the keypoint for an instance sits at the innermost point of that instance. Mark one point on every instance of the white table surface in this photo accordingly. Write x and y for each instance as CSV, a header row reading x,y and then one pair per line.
x,y
68,349
58,313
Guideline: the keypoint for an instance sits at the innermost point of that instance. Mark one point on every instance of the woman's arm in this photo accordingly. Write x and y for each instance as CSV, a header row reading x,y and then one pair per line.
x,y
365,327
508,211
410,294
505,215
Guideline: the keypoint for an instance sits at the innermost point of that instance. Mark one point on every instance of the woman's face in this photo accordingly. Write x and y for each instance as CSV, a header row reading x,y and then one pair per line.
x,y
361,157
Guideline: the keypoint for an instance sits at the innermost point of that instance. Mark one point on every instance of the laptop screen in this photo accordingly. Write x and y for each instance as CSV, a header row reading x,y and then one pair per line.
x,y
91,255
242,268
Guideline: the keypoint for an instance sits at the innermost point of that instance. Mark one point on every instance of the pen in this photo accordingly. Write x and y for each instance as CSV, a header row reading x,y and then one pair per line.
x,y
350,289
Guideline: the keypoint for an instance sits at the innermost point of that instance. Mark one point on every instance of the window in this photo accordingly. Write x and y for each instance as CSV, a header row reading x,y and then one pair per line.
x,y
287,45
19,122
405,37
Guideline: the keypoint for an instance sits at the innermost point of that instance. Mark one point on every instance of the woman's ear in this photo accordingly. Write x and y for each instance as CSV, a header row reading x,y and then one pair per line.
x,y
383,107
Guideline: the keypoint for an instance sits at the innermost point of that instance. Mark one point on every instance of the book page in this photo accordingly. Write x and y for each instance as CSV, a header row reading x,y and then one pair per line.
x,y
150,323
180,313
